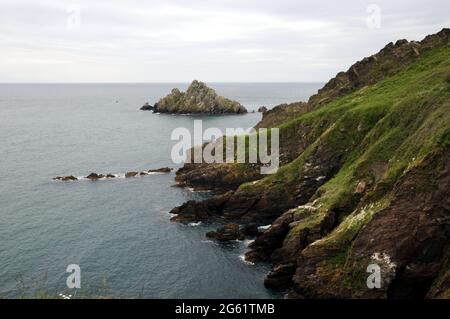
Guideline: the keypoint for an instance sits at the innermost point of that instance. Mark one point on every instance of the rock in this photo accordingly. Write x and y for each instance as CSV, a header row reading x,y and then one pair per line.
x,y
373,69
65,178
110,176
160,170
262,109
227,233
361,187
249,230
131,174
270,240
282,112
198,98
216,176
143,173
94,176
147,107
280,277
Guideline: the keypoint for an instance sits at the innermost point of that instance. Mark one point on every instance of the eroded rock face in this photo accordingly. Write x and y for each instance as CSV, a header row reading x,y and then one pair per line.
x,y
409,240
198,98
323,252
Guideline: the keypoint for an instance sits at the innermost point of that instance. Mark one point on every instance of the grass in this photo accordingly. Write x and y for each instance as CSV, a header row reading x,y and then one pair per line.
x,y
379,133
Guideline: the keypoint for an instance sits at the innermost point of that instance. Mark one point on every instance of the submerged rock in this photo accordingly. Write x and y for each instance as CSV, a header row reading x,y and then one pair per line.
x,y
94,176
231,232
198,98
65,178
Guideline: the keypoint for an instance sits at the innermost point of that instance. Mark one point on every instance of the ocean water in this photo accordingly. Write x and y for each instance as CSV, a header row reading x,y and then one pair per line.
x,y
118,231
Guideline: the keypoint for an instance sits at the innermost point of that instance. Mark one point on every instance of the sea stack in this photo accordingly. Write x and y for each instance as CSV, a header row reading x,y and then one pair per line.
x,y
198,98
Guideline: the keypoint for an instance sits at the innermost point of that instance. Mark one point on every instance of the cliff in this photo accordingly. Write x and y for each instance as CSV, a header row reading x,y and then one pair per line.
x,y
364,180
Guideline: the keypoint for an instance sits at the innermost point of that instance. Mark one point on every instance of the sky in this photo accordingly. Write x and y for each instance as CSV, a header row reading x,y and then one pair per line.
x,y
208,40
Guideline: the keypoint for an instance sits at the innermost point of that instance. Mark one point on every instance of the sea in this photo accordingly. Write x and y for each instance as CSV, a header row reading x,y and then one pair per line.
x,y
118,231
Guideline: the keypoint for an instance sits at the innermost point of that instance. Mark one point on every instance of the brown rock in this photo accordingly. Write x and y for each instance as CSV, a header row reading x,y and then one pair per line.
x,y
249,230
131,174
65,178
94,176
280,277
147,107
160,170
227,233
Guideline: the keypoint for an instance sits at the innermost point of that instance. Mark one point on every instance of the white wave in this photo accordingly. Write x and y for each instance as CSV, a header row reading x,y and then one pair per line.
x,y
248,242
264,228
242,257
194,224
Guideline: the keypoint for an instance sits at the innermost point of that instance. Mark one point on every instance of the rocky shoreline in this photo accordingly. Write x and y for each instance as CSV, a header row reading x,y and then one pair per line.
x,y
353,189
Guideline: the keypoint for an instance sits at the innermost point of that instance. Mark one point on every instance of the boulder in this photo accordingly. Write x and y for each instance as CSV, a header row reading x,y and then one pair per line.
x,y
94,176
198,98
131,174
228,232
147,107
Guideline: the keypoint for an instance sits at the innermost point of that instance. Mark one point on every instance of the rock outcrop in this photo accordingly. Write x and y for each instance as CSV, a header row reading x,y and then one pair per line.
x,y
392,59
147,107
198,98
262,109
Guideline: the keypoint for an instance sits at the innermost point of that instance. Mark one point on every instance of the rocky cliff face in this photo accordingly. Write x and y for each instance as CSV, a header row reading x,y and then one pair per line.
x,y
197,99
364,180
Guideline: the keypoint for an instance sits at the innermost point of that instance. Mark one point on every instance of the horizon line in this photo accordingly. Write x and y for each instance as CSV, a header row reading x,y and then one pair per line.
x,y
177,82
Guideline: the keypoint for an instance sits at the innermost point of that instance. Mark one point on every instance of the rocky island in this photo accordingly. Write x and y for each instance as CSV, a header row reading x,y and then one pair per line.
x,y
198,99
365,180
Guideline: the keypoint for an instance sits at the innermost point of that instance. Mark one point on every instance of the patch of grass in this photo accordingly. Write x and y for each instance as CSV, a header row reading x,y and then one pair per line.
x,y
447,77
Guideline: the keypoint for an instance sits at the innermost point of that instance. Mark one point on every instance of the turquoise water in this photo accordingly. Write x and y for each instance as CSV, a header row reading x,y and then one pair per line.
x,y
117,230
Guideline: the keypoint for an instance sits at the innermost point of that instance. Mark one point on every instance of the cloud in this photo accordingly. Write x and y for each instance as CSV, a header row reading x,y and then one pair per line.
x,y
163,41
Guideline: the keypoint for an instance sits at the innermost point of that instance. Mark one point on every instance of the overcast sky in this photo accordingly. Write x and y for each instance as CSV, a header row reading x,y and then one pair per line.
x,y
214,41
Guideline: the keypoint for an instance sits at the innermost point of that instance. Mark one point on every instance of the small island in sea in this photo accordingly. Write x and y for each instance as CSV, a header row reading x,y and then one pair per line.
x,y
198,98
